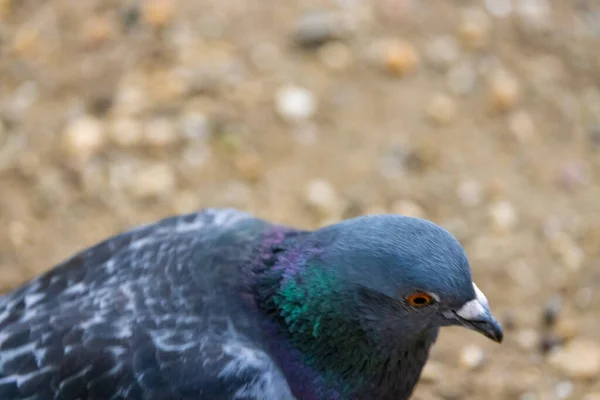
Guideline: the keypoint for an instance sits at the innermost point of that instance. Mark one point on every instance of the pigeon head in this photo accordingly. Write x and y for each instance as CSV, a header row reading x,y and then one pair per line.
x,y
409,274
366,297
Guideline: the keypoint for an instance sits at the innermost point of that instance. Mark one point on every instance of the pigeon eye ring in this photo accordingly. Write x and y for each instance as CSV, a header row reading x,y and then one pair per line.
x,y
419,299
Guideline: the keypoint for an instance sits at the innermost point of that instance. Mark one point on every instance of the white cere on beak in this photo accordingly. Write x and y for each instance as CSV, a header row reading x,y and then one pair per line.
x,y
476,308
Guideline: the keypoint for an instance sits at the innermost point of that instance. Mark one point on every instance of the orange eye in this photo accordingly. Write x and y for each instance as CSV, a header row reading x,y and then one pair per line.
x,y
419,299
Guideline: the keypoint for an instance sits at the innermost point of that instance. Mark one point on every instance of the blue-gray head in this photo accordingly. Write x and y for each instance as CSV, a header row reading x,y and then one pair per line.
x,y
364,299
412,263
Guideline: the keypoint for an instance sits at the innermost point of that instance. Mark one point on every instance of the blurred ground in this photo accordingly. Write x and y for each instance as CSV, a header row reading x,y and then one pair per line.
x,y
483,116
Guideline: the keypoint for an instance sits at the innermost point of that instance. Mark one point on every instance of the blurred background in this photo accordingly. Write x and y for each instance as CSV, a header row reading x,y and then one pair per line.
x,y
481,115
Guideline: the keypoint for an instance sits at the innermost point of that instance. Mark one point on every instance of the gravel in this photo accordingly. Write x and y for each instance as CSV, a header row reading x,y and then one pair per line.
x,y
482,116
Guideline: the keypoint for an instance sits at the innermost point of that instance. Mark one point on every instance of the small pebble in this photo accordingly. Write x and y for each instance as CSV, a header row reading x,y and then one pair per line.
x,y
579,359
552,308
528,396
194,157
398,57
125,132
499,8
294,103
503,216
265,56
462,78
441,109
84,137
470,193
528,339
521,126
442,51
504,91
408,208
153,181
564,389
194,125
337,56
472,357
130,100
23,98
160,132
322,197
158,13
474,30
315,28
535,13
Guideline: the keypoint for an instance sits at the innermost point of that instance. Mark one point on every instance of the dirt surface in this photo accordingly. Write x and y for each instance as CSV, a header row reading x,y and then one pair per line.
x,y
483,116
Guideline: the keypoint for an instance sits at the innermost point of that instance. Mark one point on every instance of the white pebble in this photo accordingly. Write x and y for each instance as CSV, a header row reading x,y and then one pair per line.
x,y
472,357
442,51
84,137
130,100
441,108
528,339
322,196
564,389
194,125
503,216
534,12
294,103
499,8
469,193
528,396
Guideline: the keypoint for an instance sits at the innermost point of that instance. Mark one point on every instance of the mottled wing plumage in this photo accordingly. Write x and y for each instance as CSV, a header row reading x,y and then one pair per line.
x,y
143,315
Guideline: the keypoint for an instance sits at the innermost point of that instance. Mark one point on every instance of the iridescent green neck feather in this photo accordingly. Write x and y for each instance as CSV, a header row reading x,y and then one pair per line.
x,y
326,328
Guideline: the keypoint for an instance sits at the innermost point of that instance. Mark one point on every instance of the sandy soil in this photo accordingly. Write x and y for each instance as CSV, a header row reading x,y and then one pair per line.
x,y
482,118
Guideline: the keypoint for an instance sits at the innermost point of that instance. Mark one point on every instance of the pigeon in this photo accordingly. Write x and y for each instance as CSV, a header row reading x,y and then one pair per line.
x,y
220,305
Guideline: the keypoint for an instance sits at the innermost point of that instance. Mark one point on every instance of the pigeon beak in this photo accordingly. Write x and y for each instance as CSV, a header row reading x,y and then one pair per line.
x,y
476,315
